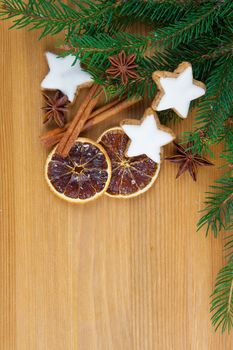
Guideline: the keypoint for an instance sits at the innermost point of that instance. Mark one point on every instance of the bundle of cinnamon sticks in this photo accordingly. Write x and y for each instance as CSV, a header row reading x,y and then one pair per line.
x,y
84,119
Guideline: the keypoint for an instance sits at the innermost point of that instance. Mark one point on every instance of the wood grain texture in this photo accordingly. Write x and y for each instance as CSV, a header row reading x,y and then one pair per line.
x,y
110,275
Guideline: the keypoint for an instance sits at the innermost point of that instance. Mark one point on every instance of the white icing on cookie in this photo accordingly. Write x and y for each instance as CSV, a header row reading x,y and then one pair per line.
x,y
63,76
178,91
147,138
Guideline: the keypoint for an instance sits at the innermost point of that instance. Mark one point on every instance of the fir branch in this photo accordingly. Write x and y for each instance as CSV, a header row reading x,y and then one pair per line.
x,y
156,11
215,108
227,153
222,298
202,53
228,246
88,16
192,26
197,22
106,45
54,17
218,52
219,206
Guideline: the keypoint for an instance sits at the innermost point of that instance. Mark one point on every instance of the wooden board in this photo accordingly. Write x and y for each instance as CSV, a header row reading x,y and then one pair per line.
x,y
130,275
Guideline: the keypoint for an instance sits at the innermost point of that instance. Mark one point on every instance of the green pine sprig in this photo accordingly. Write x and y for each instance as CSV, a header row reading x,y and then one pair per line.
x,y
216,106
219,206
53,17
222,297
200,21
166,12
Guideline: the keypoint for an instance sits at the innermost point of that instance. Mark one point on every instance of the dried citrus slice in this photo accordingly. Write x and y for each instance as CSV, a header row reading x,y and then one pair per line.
x,y
81,176
131,176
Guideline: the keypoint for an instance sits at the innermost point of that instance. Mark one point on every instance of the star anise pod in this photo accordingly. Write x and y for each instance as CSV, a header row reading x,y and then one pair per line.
x,y
187,160
55,108
123,66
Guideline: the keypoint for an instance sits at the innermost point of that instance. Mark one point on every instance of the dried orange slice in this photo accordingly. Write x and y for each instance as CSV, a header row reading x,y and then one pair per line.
x,y
131,176
81,176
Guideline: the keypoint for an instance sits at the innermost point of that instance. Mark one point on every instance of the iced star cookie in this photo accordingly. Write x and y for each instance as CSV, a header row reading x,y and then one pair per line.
x,y
177,89
147,136
65,76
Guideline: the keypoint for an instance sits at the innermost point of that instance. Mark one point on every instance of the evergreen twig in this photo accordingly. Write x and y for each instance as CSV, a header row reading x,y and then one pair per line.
x,y
219,206
222,298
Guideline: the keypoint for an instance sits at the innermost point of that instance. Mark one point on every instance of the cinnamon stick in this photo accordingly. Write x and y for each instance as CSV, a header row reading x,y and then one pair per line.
x,y
52,137
54,132
110,112
105,108
52,140
79,120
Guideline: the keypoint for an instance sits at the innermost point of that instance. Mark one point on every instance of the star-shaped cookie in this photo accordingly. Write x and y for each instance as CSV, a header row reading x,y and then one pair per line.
x,y
147,136
65,76
177,89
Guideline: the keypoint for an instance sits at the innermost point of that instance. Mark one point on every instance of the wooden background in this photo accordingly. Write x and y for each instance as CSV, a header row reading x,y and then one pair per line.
x,y
122,275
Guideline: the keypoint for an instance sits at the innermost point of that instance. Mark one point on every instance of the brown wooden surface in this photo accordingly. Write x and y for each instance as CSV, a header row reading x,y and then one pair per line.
x,y
122,275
